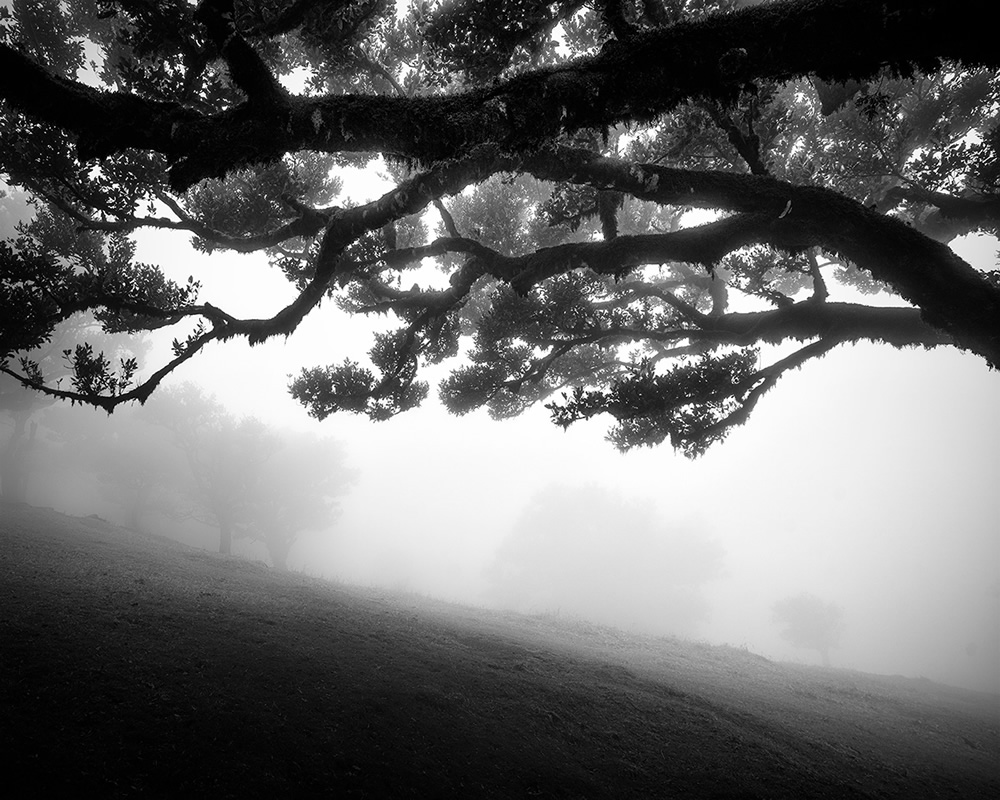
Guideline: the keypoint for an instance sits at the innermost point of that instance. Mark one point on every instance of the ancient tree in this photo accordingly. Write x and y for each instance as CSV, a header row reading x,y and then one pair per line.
x,y
589,553
809,622
546,157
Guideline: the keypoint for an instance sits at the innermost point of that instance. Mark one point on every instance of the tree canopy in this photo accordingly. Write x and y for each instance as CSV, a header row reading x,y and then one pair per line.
x,y
611,206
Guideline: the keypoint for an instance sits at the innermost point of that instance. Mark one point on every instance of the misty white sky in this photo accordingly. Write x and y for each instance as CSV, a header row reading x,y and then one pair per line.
x,y
869,478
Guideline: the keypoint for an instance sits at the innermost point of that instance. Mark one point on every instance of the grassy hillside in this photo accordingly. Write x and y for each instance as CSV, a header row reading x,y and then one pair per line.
x,y
136,666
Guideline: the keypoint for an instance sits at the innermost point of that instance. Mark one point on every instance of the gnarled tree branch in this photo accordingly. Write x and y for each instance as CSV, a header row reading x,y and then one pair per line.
x,y
660,68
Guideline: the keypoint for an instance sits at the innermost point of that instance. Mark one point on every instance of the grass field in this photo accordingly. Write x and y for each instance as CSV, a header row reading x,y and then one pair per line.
x,y
133,666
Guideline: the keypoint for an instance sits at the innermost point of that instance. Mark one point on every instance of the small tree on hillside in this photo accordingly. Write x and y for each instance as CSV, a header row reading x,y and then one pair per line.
x,y
123,459
295,489
246,478
811,623
588,552
213,449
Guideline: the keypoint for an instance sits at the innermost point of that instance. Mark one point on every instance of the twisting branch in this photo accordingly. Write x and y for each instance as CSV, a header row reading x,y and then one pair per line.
x,y
705,245
447,219
378,70
635,289
834,322
139,393
981,212
820,292
247,68
343,227
923,271
309,223
762,382
409,197
694,404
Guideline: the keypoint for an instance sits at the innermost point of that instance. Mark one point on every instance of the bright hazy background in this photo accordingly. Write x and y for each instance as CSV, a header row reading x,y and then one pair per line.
x,y
870,478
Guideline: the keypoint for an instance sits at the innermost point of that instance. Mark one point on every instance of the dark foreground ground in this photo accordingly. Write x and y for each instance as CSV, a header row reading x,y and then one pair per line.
x,y
134,666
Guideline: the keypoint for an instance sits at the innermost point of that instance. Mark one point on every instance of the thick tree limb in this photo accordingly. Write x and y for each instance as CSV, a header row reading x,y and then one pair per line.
x,y
977,212
344,226
705,244
820,292
746,144
657,70
105,122
839,322
310,222
952,295
447,219
247,68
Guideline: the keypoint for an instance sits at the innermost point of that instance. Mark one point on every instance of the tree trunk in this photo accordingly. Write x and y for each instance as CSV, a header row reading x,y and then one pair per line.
x,y
278,548
14,467
225,535
135,517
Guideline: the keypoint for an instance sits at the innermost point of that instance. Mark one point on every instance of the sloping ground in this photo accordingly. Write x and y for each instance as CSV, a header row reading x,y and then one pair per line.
x,y
135,666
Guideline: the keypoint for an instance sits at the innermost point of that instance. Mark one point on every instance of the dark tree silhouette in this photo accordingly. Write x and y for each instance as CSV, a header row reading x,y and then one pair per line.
x,y
833,142
810,623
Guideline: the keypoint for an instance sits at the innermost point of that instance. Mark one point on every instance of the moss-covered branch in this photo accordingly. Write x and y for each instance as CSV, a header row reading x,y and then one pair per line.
x,y
713,57
952,295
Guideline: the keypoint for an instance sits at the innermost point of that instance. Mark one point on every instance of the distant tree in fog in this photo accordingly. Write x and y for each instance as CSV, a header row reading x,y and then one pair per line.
x,y
21,408
295,489
207,436
810,623
247,479
588,552
132,464
17,405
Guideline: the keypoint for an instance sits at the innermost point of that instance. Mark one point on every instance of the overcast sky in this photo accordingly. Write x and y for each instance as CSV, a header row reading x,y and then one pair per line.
x,y
869,478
